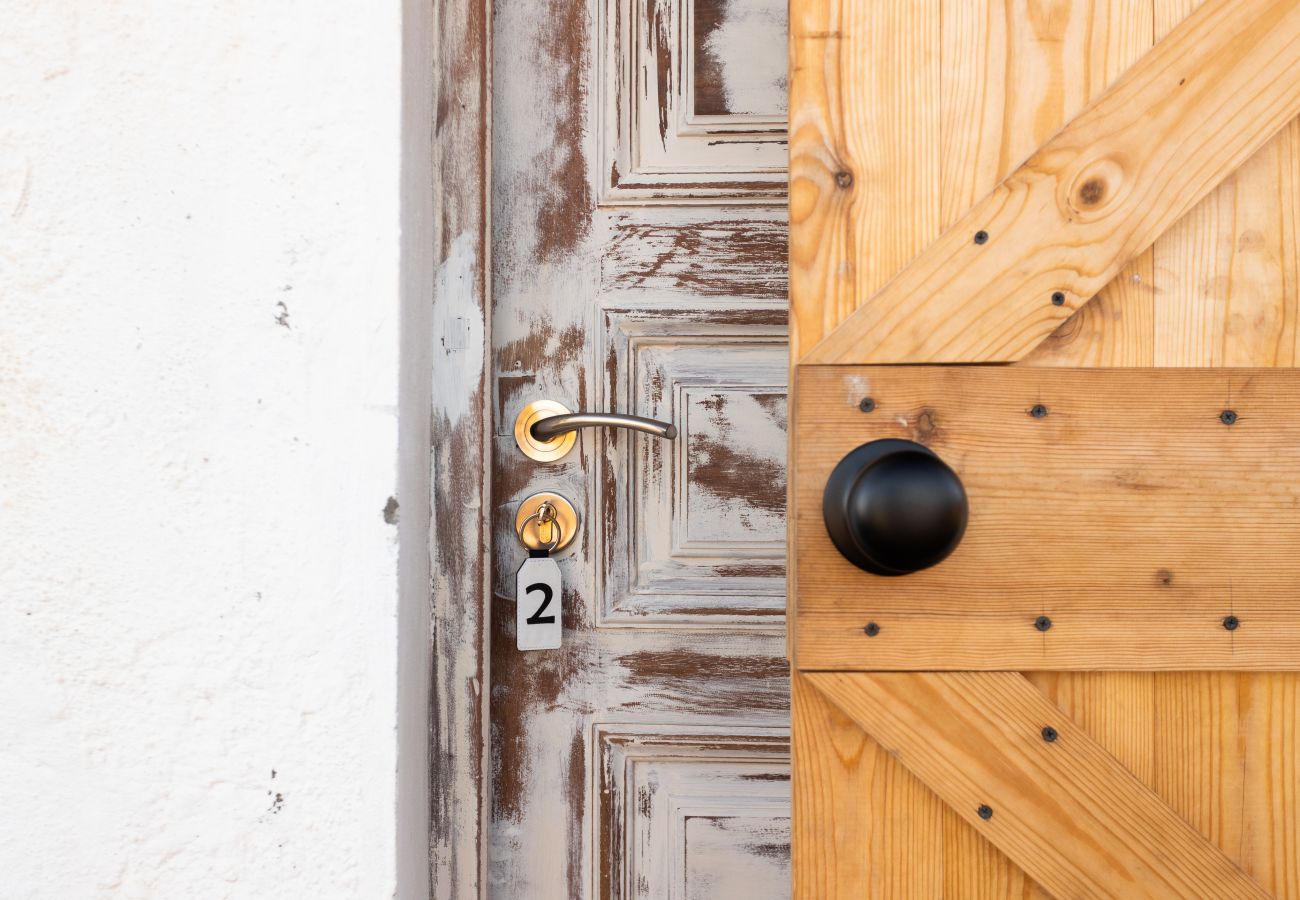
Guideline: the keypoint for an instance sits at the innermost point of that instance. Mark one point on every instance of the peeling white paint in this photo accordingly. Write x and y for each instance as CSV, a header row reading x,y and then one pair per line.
x,y
753,82
197,585
457,341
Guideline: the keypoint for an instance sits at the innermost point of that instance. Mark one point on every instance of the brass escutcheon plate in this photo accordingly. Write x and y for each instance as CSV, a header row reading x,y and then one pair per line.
x,y
536,535
542,451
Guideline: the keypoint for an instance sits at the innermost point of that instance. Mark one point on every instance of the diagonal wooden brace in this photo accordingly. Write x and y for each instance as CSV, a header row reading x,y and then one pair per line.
x,y
1063,809
1097,194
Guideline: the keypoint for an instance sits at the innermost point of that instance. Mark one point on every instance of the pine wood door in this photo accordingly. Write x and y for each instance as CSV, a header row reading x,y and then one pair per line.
x,y
1056,242
639,266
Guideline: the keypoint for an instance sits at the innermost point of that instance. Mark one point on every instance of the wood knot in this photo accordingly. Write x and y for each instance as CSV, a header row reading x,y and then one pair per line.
x,y
1092,192
925,427
1095,190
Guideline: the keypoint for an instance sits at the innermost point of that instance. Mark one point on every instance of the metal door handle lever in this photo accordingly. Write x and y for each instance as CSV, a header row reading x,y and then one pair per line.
x,y
550,428
544,430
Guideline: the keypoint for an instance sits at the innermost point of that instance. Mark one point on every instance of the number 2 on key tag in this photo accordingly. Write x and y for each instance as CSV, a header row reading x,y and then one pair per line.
x,y
537,596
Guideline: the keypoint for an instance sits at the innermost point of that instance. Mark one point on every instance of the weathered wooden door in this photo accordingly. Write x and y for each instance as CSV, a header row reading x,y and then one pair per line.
x,y
1094,694
639,267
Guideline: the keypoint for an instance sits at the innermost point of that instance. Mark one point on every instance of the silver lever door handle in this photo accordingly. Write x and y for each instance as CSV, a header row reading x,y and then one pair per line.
x,y
544,430
551,427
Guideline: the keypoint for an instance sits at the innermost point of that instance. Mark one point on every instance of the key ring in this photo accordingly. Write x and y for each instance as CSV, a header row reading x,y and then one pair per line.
x,y
550,519
552,509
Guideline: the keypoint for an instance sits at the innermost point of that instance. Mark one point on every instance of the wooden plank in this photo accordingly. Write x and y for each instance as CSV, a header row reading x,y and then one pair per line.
x,y
1021,70
864,152
447,59
864,113
1227,272
1015,72
1129,514
1221,748
863,826
1226,276
1096,195
1065,811
1197,758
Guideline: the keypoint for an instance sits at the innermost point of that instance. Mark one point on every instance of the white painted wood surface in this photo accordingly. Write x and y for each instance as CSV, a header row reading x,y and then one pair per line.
x,y
639,266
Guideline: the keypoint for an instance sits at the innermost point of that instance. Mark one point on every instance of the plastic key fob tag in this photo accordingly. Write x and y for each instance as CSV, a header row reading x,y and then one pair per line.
x,y
537,603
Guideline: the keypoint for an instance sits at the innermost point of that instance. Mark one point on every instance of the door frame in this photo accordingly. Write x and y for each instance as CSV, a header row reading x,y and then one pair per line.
x,y
443,783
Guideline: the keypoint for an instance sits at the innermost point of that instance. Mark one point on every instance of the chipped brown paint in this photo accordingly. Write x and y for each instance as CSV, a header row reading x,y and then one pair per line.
x,y
722,467
459,423
663,62
716,683
710,92
718,257
563,216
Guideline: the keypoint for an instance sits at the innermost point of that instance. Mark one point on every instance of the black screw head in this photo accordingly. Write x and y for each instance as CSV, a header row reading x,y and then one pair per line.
x,y
844,179
871,630
866,404
1232,623
1038,411
1050,734
1228,417
985,812
981,237
1058,299
1042,623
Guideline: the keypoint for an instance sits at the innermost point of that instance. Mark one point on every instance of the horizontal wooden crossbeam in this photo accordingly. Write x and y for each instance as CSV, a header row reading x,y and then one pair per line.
x,y
1054,801
1123,519
1101,191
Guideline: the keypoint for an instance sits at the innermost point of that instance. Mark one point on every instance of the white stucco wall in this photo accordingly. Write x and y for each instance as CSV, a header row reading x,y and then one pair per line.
x,y
198,426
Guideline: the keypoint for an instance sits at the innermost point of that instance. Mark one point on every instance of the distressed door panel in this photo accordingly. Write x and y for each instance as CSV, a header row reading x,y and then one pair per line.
x,y
639,245
693,812
695,100
694,530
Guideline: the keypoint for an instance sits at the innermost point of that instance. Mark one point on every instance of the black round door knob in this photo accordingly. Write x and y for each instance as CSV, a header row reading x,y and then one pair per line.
x,y
893,507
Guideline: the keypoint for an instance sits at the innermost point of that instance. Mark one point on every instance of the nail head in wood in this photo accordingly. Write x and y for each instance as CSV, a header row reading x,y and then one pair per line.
x,y
1058,299
981,237
1231,623
1050,734
871,630
1228,417
1038,411
985,812
1042,623
866,404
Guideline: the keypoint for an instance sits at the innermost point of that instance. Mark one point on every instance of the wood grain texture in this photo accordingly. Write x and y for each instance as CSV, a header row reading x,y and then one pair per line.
x,y
865,113
1219,747
448,601
864,152
1018,70
1196,738
863,826
1227,272
1091,199
1008,82
1066,812
1129,514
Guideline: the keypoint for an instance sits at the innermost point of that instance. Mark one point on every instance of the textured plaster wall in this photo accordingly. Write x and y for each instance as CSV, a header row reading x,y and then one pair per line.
x,y
198,438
